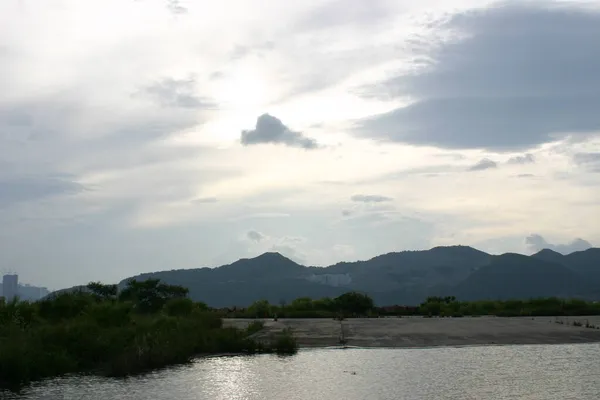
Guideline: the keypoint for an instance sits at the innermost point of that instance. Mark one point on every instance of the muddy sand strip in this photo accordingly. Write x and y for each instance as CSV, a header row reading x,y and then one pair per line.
x,y
425,332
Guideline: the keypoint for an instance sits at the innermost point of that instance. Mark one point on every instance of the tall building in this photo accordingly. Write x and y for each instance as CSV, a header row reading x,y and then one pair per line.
x,y
10,286
31,293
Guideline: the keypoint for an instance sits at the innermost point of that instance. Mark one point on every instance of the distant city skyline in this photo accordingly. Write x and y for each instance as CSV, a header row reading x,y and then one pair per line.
x,y
12,287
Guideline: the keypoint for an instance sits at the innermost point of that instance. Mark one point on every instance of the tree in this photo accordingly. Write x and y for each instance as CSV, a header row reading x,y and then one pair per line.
x,y
324,304
260,309
151,295
302,304
102,291
354,303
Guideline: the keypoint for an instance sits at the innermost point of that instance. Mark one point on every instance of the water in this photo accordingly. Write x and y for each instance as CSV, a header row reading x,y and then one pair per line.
x,y
499,372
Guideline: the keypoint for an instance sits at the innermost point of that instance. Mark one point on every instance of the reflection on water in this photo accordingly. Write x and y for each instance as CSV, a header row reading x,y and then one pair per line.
x,y
501,372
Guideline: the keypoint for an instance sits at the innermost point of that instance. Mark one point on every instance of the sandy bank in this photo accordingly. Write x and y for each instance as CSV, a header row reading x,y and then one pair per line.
x,y
422,332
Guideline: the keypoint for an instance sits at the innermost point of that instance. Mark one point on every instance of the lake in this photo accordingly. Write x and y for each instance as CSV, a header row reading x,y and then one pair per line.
x,y
544,372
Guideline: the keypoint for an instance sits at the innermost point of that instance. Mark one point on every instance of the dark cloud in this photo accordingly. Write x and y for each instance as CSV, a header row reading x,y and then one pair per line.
x,y
24,189
590,161
483,164
255,236
523,159
370,198
169,92
271,130
536,243
346,213
520,75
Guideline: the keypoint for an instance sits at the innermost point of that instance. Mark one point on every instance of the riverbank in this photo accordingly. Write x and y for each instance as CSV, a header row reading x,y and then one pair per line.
x,y
149,325
425,332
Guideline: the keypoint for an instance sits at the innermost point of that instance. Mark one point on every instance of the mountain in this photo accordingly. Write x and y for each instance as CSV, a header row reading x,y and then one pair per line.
x,y
269,276
514,276
406,277
549,255
585,263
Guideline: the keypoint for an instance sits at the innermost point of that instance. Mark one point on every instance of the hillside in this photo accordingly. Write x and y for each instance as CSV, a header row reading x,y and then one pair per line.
x,y
406,277
394,278
512,276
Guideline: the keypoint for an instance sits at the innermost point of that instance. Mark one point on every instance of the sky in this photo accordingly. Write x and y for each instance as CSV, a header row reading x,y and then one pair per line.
x,y
145,135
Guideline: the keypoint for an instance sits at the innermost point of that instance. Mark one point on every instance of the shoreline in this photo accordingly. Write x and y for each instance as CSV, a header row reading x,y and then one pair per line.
x,y
431,347
416,332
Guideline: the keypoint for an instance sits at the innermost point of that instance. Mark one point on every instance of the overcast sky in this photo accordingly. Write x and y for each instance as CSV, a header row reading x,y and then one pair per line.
x,y
142,135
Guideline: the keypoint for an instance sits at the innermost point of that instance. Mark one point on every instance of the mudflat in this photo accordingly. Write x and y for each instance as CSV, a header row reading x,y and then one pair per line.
x,y
426,332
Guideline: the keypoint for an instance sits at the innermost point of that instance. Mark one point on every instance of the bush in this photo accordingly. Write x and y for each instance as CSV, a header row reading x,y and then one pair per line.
x,y
179,307
284,343
109,335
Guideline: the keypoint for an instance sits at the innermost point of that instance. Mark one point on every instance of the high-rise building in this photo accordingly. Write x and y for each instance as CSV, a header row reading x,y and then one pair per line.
x,y
10,286
31,293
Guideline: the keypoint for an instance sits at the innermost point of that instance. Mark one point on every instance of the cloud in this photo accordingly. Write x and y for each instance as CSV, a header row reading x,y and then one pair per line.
x,y
290,252
342,13
511,77
526,176
206,200
260,50
170,92
270,129
260,215
255,236
370,198
588,160
483,164
523,159
23,189
175,7
536,243
346,213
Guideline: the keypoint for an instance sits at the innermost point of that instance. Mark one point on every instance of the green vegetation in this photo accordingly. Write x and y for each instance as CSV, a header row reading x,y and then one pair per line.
x,y
354,304
351,304
551,306
147,325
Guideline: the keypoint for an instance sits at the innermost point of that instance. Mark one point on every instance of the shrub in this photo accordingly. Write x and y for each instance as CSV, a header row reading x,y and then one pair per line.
x,y
179,307
284,343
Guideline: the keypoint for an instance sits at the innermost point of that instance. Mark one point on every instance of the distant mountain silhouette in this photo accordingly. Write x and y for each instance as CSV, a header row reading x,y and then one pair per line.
x,y
406,277
586,263
549,255
515,276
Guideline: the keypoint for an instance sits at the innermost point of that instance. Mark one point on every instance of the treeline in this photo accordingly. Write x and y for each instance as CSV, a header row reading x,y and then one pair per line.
x,y
351,304
549,306
355,304
145,326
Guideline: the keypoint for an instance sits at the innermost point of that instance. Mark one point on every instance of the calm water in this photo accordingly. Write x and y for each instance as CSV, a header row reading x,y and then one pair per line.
x,y
501,372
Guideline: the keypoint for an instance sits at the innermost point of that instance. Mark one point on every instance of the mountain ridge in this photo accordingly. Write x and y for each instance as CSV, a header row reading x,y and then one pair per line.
x,y
405,277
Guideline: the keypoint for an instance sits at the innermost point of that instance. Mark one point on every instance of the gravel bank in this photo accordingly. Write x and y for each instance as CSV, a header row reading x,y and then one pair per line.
x,y
425,332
